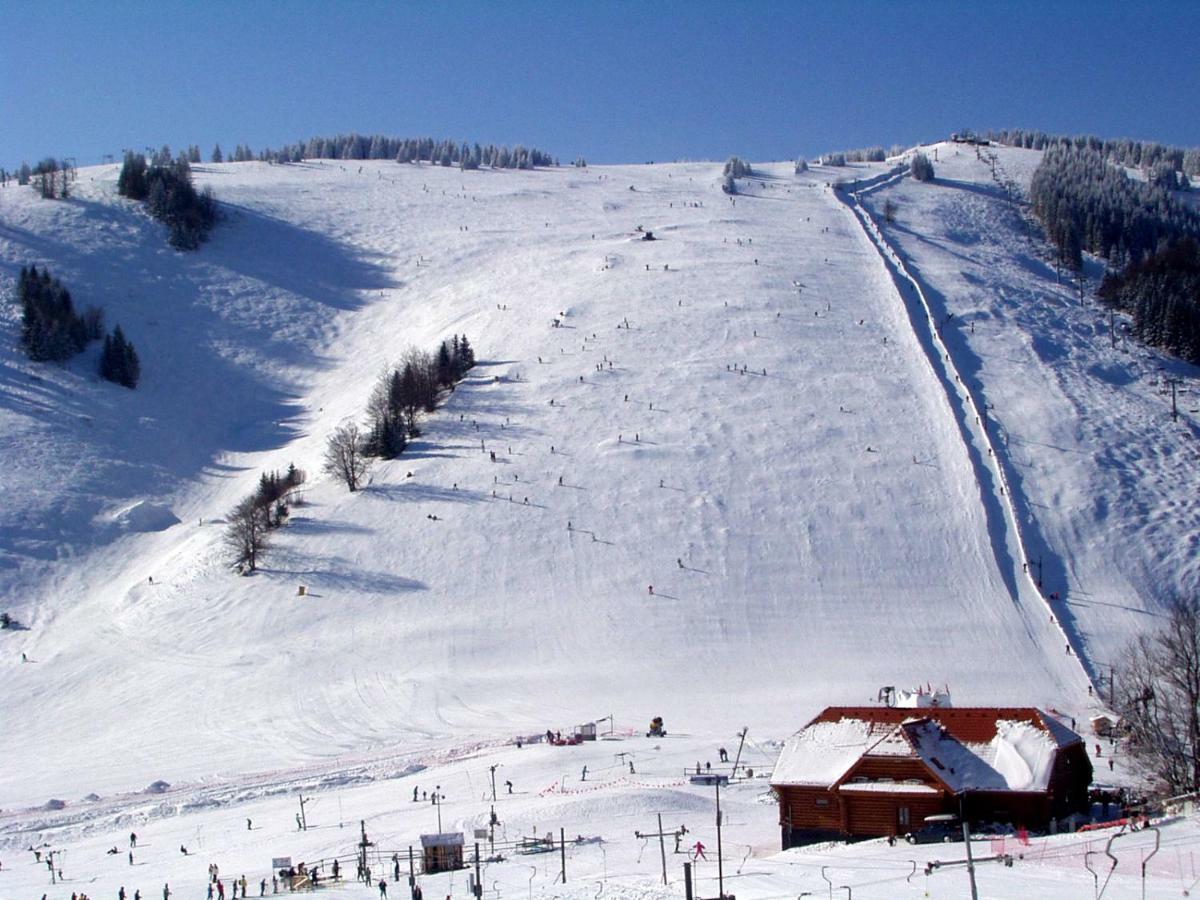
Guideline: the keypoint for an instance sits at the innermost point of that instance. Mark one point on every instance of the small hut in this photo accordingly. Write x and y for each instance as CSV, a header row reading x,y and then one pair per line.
x,y
441,852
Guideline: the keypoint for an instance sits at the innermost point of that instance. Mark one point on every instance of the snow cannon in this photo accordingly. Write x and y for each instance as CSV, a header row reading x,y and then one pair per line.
x,y
656,728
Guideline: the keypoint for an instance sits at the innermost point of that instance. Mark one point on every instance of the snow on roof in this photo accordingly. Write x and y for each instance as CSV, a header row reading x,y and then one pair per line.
x,y
996,750
1018,758
822,752
446,839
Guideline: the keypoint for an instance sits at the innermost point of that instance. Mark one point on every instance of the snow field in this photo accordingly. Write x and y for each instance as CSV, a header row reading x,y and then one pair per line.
x,y
791,499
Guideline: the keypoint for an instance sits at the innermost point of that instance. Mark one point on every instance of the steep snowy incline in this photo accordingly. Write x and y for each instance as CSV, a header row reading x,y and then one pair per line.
x,y
811,526
1084,427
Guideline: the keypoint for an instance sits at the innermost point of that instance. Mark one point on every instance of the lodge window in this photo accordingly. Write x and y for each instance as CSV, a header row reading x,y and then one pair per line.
x,y
822,801
902,816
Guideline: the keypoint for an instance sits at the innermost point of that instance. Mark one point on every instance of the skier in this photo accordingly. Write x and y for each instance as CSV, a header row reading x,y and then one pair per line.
x,y
262,888
680,561
650,590
132,839
121,893
723,754
699,851
414,793
508,784
382,889
249,825
583,777
166,891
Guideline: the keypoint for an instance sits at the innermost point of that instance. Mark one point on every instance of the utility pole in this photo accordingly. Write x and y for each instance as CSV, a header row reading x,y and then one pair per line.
x,y
562,846
662,834
493,770
437,801
1173,382
662,848
720,863
741,744
412,875
967,842
303,818
478,876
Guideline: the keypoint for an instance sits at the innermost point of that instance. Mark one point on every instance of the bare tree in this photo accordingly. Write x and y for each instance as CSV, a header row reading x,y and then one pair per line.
x,y
246,535
345,458
1159,699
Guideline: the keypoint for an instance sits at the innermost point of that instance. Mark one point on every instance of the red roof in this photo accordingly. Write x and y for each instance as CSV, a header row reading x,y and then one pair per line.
x,y
969,724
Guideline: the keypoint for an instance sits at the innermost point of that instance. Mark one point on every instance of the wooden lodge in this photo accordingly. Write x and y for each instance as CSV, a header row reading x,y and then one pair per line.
x,y
880,771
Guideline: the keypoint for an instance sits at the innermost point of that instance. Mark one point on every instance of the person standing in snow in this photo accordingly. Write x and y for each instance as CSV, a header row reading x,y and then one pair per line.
x,y
583,777
382,889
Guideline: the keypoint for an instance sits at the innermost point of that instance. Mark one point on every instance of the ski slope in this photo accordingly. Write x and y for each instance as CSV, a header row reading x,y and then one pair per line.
x,y
1084,435
825,523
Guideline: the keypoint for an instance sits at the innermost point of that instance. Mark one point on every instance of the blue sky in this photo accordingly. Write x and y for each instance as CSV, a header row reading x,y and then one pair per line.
x,y
612,81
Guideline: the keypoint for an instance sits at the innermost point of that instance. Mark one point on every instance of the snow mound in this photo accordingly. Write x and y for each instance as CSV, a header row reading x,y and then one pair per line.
x,y
144,516
158,787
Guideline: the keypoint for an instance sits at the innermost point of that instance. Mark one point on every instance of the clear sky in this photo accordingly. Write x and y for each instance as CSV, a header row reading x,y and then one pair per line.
x,y
613,81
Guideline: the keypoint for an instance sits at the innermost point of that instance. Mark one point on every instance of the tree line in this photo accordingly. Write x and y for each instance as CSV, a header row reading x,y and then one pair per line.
x,y
251,521
165,186
1080,196
401,396
1161,294
1146,235
1145,155
863,154
443,152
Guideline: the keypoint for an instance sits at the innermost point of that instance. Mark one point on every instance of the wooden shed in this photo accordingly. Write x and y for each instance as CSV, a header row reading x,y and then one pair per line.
x,y
879,771
441,852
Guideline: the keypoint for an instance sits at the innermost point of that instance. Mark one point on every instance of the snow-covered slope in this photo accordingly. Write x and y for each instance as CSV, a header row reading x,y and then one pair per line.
x,y
813,527
1083,415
